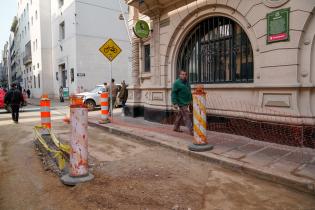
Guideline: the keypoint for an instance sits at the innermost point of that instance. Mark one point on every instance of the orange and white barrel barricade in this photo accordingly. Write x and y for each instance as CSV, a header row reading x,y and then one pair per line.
x,y
200,142
79,170
45,112
104,108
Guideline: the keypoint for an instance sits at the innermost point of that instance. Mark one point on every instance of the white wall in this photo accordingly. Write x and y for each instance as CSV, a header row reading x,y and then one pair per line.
x,y
88,24
63,51
38,32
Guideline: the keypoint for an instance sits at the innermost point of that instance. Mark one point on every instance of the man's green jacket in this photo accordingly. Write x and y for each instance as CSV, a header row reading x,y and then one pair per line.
x,y
181,93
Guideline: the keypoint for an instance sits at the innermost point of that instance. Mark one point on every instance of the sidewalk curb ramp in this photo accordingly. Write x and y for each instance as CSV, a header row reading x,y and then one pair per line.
x,y
262,173
54,154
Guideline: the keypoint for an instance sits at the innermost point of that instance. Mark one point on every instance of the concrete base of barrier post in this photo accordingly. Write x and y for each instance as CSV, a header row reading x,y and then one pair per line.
x,y
200,147
71,181
104,121
44,132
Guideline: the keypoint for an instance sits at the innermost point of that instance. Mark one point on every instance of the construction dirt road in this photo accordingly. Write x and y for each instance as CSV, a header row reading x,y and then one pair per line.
x,y
130,176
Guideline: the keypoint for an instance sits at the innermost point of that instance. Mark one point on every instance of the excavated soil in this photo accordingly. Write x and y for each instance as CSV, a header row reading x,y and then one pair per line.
x,y
130,176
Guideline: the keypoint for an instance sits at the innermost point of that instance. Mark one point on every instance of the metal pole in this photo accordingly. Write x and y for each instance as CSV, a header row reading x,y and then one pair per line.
x,y
111,95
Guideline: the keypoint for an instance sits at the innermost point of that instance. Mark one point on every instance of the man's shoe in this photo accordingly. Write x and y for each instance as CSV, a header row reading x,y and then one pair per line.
x,y
177,130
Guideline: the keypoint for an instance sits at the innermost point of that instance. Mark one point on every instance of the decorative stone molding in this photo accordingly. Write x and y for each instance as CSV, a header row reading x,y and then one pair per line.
x,y
157,96
130,95
135,62
277,100
274,3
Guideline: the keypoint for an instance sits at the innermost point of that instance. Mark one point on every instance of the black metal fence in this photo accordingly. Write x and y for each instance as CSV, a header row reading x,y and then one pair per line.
x,y
217,50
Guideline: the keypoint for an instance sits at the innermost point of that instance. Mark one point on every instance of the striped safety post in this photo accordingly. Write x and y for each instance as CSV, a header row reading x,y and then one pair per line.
x,y
104,108
200,142
79,169
45,112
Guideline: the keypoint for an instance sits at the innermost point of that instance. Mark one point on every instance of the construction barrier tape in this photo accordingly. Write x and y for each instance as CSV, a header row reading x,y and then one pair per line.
x,y
59,155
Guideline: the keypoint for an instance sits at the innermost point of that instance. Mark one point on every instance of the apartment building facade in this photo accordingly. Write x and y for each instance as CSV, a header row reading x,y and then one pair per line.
x,y
255,60
30,47
56,43
79,28
5,68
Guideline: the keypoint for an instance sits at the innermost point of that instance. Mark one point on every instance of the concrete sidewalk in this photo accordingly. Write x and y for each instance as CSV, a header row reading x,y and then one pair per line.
x,y
290,166
54,102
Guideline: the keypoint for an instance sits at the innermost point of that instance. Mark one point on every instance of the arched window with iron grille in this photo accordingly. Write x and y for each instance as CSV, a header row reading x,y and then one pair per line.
x,y
217,50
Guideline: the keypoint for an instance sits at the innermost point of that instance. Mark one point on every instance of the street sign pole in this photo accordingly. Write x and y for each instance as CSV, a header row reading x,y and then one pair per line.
x,y
110,50
110,90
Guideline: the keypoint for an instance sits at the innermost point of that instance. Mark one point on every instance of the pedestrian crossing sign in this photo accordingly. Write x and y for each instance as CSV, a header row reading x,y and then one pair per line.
x,y
110,50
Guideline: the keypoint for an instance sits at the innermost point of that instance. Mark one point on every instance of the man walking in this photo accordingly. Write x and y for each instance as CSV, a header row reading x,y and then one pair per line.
x,y
14,99
28,92
61,98
123,95
182,99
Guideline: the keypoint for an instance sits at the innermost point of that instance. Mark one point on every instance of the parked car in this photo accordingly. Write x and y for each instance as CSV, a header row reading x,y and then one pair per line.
x,y
2,94
92,98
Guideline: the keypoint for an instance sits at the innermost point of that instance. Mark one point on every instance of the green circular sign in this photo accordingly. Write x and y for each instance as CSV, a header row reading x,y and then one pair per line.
x,y
141,29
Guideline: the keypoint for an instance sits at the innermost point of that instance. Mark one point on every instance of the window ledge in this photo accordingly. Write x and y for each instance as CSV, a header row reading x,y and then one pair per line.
x,y
247,85
146,75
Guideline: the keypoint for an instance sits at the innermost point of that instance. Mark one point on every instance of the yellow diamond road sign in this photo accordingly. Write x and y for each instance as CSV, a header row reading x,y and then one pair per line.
x,y
110,50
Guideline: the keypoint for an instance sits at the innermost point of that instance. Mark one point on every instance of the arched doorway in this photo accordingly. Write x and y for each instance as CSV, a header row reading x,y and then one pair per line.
x,y
217,50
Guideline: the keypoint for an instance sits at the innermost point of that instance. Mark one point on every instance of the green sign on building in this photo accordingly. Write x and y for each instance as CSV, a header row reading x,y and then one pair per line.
x,y
278,25
66,92
141,29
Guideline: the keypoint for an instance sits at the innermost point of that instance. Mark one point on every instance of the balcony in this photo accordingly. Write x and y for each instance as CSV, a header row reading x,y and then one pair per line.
x,y
28,54
27,60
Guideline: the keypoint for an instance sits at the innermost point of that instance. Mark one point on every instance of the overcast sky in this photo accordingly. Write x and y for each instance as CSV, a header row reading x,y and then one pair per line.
x,y
8,9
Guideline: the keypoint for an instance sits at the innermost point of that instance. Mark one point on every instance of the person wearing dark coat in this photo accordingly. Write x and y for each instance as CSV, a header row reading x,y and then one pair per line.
x,y
123,94
28,92
14,99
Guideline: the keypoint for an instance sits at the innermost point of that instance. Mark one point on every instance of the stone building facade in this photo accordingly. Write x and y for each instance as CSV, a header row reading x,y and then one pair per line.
x,y
257,89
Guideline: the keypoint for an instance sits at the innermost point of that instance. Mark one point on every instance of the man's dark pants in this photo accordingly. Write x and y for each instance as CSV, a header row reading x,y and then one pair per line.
x,y
183,114
15,112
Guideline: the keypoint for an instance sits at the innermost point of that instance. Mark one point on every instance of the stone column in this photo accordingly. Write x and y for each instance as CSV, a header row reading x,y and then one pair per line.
x,y
133,107
135,62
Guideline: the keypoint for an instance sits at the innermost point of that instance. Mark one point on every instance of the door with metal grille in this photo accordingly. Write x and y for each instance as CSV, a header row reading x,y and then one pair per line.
x,y
217,50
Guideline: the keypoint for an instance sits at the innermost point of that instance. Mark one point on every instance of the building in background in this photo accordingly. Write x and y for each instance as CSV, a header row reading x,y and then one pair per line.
x,y
29,48
79,29
56,43
5,66
259,83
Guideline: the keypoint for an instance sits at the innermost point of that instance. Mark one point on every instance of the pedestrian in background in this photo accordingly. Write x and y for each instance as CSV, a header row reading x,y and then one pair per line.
x,y
61,94
106,87
19,87
28,92
14,99
182,99
114,92
123,95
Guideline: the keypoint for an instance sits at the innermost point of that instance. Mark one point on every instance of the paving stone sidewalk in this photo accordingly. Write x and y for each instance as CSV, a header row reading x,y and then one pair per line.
x,y
291,166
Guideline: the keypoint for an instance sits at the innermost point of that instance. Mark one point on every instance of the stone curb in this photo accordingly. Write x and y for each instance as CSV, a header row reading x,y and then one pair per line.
x,y
305,186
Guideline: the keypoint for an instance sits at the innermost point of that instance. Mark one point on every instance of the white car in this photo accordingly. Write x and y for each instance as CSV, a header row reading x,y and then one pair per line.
x,y
92,98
